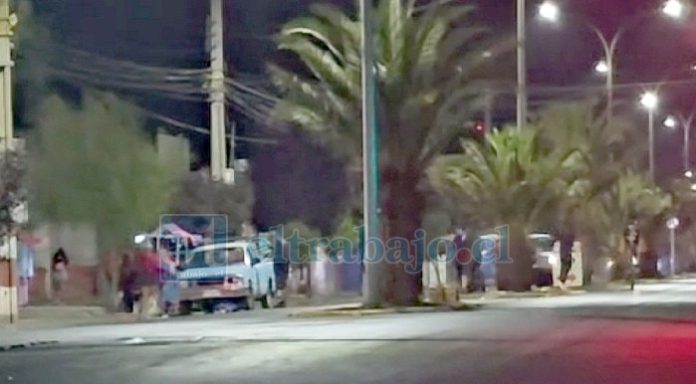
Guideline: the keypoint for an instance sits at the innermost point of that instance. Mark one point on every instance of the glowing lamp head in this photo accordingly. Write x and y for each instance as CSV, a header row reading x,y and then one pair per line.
x,y
649,100
602,67
549,11
674,9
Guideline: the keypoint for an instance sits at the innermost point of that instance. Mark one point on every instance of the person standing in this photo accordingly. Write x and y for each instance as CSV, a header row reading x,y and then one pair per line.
x,y
566,254
127,284
462,256
59,273
170,293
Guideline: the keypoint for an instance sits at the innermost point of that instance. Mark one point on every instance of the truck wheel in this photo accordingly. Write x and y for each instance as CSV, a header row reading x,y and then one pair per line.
x,y
268,300
185,308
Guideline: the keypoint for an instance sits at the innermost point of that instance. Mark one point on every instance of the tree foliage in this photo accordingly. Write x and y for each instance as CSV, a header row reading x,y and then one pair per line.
x,y
91,164
510,178
13,191
200,195
431,65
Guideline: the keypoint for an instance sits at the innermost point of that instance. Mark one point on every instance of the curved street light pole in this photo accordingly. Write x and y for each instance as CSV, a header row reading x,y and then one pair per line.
x,y
521,64
609,53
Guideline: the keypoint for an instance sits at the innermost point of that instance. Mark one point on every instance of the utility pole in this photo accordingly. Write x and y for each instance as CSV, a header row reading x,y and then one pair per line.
x,y
8,245
521,64
218,156
372,295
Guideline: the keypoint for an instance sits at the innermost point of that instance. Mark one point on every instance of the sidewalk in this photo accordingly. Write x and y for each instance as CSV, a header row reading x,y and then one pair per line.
x,y
60,316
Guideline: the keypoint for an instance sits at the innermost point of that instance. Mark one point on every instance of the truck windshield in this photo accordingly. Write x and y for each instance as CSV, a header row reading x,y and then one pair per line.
x,y
217,257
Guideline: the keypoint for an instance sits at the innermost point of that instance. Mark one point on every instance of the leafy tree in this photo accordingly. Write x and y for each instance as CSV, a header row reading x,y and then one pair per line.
x,y
12,188
633,197
611,188
429,63
300,256
90,164
34,51
510,180
200,195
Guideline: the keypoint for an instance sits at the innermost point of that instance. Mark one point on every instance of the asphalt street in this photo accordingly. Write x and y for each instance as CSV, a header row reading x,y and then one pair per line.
x,y
647,336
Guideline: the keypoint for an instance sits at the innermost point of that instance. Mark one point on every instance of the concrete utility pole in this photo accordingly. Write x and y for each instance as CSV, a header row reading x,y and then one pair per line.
x,y
218,155
372,295
8,245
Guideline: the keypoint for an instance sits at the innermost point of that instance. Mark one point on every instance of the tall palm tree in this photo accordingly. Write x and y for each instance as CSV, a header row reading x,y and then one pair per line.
x,y
612,154
633,197
428,62
510,180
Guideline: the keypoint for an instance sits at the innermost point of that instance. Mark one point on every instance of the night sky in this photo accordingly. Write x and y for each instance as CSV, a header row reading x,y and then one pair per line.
x,y
172,33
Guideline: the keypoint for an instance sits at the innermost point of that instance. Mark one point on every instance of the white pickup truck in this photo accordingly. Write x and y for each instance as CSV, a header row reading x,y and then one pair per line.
x,y
225,271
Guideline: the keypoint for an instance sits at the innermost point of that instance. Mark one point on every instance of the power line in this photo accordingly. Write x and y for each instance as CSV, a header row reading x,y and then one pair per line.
x,y
190,127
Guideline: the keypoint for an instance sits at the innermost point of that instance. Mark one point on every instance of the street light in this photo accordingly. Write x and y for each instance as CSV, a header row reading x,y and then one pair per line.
x,y
685,121
602,67
549,11
649,100
670,122
674,9
693,187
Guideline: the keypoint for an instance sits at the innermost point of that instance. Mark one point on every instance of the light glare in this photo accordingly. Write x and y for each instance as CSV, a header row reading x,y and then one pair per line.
x,y
549,11
602,67
673,8
670,122
649,100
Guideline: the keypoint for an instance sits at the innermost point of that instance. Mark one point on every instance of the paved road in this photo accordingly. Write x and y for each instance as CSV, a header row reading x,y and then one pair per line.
x,y
621,337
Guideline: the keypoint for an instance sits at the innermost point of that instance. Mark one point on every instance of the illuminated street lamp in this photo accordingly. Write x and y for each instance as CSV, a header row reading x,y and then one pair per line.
x,y
670,122
602,67
674,9
693,187
685,122
649,100
549,11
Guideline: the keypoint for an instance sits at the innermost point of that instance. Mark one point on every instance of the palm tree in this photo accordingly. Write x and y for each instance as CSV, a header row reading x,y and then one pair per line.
x,y
612,153
429,63
633,197
510,180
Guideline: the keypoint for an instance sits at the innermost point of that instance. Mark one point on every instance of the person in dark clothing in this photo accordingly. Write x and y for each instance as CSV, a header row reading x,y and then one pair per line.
x,y
59,272
566,253
127,284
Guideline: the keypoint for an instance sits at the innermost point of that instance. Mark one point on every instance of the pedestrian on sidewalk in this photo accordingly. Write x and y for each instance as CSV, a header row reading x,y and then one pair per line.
x,y
170,296
59,273
148,281
566,254
127,284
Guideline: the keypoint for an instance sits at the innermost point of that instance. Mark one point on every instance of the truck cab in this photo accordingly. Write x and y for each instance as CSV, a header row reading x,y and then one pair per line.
x,y
241,269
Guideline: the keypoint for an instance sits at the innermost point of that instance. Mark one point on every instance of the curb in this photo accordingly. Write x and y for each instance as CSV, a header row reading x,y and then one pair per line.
x,y
352,311
32,344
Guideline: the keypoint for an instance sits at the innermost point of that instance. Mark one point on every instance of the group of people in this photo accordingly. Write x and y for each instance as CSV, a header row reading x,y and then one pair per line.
x,y
474,271
26,269
147,281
